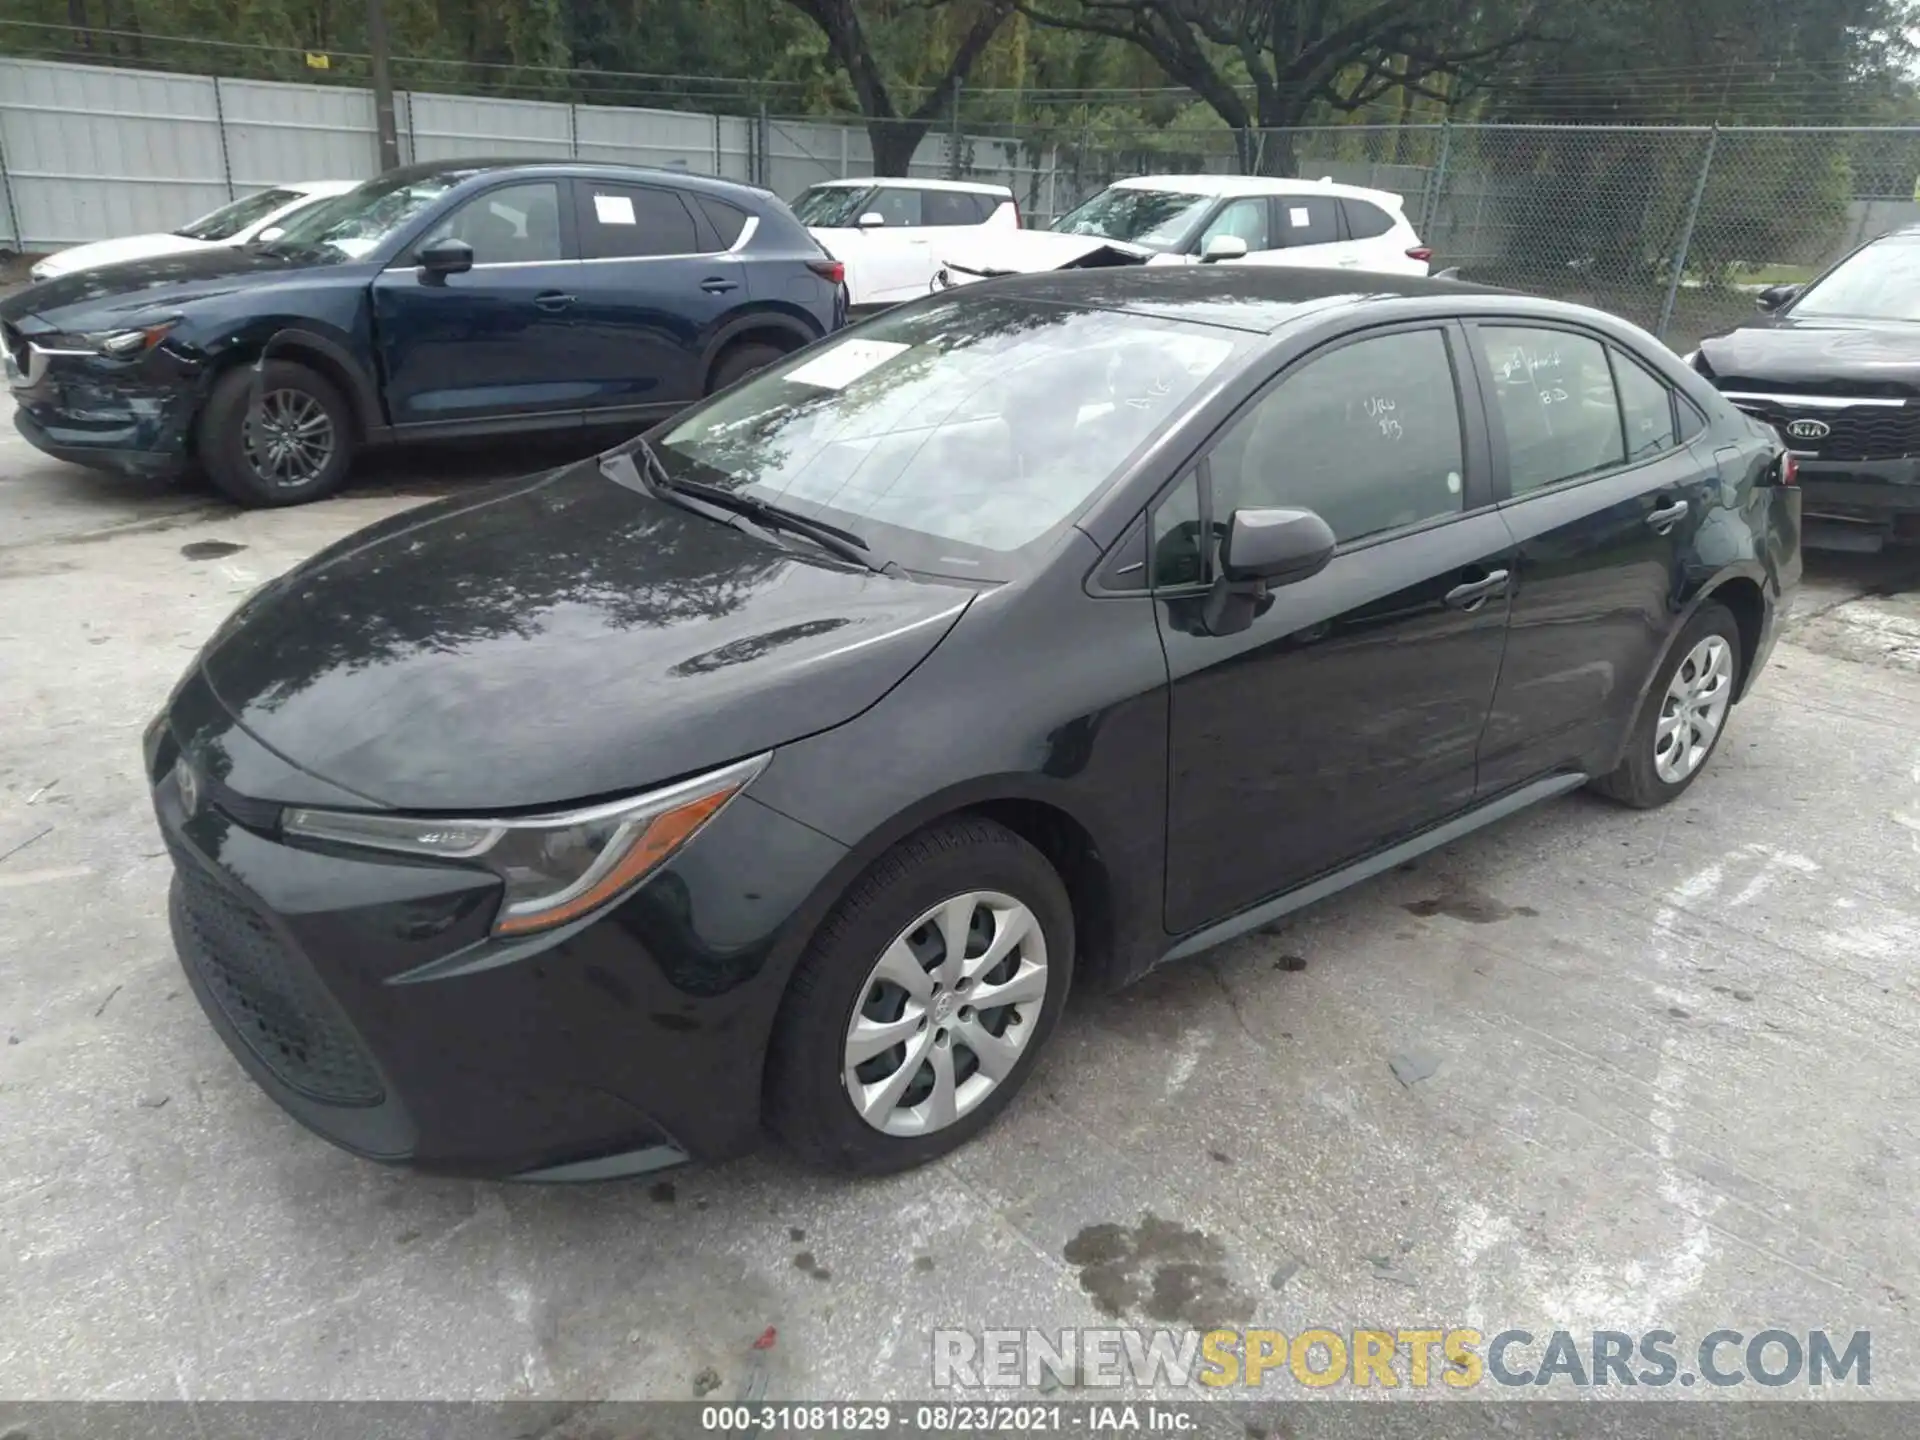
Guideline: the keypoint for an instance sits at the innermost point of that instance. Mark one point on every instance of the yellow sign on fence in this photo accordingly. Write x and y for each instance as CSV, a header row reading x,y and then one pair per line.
x,y
319,62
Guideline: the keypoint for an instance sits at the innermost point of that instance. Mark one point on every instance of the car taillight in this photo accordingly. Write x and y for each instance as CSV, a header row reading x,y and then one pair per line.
x,y
832,271
1789,469
1422,253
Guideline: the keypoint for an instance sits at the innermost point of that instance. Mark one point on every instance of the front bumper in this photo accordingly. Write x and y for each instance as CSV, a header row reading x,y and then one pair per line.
x,y
1886,492
133,419
368,998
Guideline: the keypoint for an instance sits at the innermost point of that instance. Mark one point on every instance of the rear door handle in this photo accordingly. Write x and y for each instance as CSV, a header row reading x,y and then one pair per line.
x,y
552,301
717,286
1665,519
1474,593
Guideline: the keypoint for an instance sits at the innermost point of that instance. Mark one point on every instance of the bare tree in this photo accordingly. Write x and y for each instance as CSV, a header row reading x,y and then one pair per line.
x,y
1297,55
894,130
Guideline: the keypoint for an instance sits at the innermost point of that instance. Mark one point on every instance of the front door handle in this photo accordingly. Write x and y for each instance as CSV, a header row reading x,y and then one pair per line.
x,y
717,286
1471,595
552,301
1664,519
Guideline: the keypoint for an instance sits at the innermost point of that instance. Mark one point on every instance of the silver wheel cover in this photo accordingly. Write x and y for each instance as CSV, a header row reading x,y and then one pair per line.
x,y
1693,709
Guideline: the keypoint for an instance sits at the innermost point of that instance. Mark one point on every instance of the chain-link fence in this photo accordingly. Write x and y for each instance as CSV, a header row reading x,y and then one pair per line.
x,y
1675,228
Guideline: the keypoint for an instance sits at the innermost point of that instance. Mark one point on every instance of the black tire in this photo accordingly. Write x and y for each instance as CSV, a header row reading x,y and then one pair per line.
x,y
741,361
807,1101
1636,781
222,435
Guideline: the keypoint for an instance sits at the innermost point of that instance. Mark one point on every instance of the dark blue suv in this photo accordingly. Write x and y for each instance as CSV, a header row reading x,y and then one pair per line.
x,y
442,299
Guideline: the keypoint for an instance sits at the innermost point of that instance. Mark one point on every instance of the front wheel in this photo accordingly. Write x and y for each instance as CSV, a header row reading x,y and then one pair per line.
x,y
921,1005
1685,712
290,444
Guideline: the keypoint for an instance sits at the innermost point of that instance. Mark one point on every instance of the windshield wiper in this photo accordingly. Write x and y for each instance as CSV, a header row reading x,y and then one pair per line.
x,y
734,506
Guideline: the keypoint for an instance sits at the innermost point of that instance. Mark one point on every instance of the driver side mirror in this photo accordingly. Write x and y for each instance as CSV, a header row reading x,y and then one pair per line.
x,y
1775,296
270,234
872,220
1223,247
1262,549
441,258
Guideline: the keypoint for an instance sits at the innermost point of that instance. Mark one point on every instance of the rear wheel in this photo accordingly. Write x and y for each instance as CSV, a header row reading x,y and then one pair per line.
x,y
741,361
1685,712
921,1005
294,447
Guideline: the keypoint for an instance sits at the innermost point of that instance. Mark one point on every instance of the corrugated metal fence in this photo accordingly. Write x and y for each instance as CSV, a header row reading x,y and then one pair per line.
x,y
88,152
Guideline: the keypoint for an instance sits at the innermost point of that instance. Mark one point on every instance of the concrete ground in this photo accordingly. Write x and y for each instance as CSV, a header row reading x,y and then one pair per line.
x,y
1669,1074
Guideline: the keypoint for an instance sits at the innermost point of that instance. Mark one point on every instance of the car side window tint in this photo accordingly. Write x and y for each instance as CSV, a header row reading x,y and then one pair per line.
x,y
1646,405
1178,556
1245,219
947,207
1692,418
727,220
633,222
1553,398
1364,220
1367,436
516,224
1307,219
896,206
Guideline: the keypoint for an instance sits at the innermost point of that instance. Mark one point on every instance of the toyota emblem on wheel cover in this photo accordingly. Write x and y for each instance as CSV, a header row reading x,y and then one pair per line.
x,y
189,786
1809,429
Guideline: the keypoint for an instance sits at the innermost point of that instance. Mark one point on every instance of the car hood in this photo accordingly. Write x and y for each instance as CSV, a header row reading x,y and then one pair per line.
x,y
1836,357
559,639
1026,252
115,252
99,299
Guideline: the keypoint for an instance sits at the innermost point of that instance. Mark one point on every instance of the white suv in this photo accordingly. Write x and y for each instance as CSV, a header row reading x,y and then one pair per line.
x,y
892,234
1191,219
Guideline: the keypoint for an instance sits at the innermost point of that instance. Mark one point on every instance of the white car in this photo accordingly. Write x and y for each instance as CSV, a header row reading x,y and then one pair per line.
x,y
892,235
1205,219
232,224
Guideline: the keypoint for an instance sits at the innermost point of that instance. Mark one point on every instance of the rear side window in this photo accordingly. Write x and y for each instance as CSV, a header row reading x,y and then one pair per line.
x,y
1306,220
1365,220
727,220
947,207
633,221
1646,405
1368,437
1554,400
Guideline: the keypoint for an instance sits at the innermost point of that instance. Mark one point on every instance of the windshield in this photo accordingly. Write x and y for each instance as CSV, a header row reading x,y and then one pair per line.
x,y
1156,219
229,220
356,223
1879,282
832,207
952,434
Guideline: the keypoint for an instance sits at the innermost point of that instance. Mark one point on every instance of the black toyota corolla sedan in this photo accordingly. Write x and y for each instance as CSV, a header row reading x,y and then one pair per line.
x,y
792,762
1835,366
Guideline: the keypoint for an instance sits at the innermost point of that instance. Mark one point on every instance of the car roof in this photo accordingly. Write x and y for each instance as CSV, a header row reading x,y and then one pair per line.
x,y
1258,298
1223,185
467,169
320,187
967,187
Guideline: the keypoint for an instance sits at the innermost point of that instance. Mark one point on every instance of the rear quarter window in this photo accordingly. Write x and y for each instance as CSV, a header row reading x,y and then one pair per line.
x,y
1365,220
727,220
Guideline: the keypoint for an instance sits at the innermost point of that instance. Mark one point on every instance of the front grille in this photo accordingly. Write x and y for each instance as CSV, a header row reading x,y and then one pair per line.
x,y
1856,432
270,996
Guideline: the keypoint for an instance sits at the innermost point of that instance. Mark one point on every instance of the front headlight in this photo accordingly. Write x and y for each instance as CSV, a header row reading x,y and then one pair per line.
x,y
557,867
122,344
43,271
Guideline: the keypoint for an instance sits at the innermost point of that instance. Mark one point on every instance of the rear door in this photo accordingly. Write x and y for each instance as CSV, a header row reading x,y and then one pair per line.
x,y
897,259
1604,501
1305,229
655,283
1347,715
493,343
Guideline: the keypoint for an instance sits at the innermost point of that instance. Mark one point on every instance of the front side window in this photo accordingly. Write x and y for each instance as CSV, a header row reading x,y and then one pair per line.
x,y
1879,282
516,224
957,433
229,220
1308,219
1154,219
1554,400
1244,220
832,207
1368,437
895,206
633,221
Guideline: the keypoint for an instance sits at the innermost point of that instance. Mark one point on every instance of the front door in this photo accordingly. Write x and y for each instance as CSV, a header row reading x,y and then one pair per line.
x,y
1348,714
496,341
655,283
1604,504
